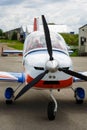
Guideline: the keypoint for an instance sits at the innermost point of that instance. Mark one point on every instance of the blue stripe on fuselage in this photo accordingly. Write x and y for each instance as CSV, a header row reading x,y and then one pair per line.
x,y
42,50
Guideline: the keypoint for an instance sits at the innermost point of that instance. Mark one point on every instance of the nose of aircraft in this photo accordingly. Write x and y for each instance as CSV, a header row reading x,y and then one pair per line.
x,y
41,60
52,65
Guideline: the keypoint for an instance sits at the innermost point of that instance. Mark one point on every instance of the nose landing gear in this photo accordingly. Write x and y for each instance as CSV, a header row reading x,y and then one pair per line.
x,y
52,107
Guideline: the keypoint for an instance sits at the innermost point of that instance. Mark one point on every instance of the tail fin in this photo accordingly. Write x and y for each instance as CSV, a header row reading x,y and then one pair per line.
x,y
35,28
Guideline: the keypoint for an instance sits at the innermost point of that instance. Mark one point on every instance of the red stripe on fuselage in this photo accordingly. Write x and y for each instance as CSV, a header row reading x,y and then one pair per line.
x,y
59,85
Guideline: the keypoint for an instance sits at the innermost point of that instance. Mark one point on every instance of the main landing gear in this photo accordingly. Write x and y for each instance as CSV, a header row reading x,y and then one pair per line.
x,y
9,94
52,107
79,95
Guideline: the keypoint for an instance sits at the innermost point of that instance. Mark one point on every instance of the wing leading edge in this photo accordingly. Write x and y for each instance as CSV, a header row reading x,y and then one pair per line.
x,y
20,77
79,80
6,52
12,77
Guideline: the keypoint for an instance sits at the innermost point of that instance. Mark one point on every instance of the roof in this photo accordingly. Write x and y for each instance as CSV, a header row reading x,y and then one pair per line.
x,y
83,26
16,29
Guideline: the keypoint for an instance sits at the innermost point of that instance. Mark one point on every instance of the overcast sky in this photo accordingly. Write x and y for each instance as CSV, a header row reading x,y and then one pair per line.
x,y
15,13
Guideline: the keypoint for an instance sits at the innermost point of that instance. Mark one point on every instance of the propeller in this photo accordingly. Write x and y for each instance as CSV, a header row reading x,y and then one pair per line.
x,y
31,84
73,73
47,37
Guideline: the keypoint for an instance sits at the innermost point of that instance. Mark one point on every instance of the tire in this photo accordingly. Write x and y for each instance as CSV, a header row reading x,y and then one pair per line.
x,y
50,111
9,102
79,101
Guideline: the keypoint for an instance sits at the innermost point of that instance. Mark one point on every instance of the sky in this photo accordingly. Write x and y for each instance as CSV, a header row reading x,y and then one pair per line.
x,y
16,13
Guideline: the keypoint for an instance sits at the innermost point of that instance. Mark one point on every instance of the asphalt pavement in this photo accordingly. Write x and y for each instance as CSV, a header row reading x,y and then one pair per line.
x,y
30,111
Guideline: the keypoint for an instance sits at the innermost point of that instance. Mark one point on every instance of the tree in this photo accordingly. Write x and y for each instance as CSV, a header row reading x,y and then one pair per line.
x,y
71,39
1,32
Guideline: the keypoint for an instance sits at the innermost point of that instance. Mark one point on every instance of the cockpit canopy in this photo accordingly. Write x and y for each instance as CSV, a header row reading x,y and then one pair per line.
x,y
37,40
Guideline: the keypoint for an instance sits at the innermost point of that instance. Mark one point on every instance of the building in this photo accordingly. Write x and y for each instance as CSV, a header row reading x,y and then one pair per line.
x,y
8,34
24,30
83,40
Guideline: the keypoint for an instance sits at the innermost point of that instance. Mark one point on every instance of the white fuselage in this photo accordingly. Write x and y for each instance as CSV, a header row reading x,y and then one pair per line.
x,y
36,61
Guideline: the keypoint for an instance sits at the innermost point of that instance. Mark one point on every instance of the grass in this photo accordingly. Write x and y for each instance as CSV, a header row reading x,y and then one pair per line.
x,y
75,53
13,43
19,46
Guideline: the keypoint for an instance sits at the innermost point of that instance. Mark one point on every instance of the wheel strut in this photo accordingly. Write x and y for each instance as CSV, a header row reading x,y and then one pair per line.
x,y
55,102
52,107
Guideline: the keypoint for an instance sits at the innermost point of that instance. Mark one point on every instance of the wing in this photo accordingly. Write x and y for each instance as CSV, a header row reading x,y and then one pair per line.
x,y
12,77
70,52
6,52
79,80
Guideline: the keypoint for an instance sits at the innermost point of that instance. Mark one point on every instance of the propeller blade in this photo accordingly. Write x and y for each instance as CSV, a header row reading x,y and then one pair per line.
x,y
73,73
31,84
47,37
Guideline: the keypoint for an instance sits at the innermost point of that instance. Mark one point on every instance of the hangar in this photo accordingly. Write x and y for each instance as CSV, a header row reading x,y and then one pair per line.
x,y
83,40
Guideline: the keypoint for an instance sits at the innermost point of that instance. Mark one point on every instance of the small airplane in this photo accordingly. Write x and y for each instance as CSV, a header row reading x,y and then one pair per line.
x,y
47,65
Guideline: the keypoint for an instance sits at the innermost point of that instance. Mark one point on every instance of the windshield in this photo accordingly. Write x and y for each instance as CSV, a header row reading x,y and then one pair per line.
x,y
37,40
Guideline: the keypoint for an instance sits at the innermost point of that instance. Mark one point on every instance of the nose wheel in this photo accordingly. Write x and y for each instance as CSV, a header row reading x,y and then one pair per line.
x,y
52,107
50,111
